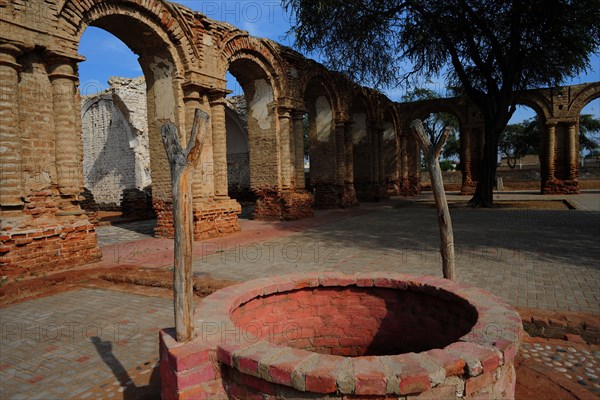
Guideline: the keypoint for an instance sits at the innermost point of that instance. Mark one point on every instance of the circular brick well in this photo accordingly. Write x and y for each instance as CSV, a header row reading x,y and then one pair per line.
x,y
337,336
357,321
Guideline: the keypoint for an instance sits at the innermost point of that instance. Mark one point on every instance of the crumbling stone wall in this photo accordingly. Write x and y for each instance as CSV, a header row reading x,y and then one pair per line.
x,y
116,153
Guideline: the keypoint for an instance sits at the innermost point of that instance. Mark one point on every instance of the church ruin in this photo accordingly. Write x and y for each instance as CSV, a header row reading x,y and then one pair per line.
x,y
361,148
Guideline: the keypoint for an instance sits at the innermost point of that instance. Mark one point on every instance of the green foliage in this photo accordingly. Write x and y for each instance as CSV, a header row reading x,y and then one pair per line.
x,y
451,149
446,165
488,44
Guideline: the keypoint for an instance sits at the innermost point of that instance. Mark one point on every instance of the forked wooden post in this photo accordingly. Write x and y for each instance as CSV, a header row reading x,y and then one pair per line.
x,y
432,152
182,163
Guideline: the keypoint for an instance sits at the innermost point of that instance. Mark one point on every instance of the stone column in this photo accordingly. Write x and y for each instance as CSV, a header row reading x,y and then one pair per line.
x,y
340,150
349,144
285,131
219,135
572,152
193,100
465,160
68,142
298,122
548,163
403,164
11,188
380,165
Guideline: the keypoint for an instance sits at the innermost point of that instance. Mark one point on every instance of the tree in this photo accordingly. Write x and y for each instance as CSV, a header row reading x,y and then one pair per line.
x,y
518,140
491,49
182,163
431,145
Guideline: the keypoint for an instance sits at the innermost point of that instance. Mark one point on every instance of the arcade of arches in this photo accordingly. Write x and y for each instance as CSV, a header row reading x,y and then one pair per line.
x,y
360,146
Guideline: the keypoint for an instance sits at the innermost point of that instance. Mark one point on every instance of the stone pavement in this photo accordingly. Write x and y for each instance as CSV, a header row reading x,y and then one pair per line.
x,y
79,344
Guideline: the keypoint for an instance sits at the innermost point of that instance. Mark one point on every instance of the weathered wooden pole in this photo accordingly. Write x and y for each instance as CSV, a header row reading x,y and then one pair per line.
x,y
182,163
431,151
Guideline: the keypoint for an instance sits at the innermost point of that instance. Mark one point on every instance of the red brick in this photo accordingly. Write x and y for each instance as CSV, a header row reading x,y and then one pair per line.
x,y
321,377
202,373
369,376
478,383
438,393
453,364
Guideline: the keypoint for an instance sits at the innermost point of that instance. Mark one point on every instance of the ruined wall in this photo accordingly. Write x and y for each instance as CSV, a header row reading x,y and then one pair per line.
x,y
185,57
115,141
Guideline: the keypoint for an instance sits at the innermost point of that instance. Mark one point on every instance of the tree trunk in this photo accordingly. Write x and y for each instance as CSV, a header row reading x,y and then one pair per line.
x,y
432,153
484,193
182,163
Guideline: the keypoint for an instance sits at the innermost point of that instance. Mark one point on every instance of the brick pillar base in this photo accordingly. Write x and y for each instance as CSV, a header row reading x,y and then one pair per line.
x,y
348,196
410,186
290,205
216,218
392,187
367,191
212,218
560,186
326,195
468,187
382,190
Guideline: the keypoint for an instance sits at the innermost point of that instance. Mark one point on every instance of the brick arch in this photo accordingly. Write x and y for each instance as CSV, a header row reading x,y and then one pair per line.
x,y
360,96
589,93
451,106
324,78
538,102
161,17
243,46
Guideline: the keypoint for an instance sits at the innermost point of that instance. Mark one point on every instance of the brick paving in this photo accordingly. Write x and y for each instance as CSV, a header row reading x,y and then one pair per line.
x,y
544,259
66,345
123,233
531,258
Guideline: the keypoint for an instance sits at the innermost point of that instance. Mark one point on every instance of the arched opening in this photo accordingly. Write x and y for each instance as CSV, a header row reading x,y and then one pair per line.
x,y
116,154
238,160
252,149
323,171
520,150
434,121
127,151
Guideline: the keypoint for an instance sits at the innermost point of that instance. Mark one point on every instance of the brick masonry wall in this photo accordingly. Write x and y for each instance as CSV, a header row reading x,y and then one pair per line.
x,y
116,156
240,361
287,206
356,321
211,218
40,237
46,248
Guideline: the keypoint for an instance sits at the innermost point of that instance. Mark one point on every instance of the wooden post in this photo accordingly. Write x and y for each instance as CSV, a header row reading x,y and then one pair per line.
x,y
432,151
182,163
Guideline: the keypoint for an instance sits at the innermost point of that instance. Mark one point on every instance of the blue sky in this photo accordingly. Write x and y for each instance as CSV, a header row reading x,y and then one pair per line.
x,y
107,56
